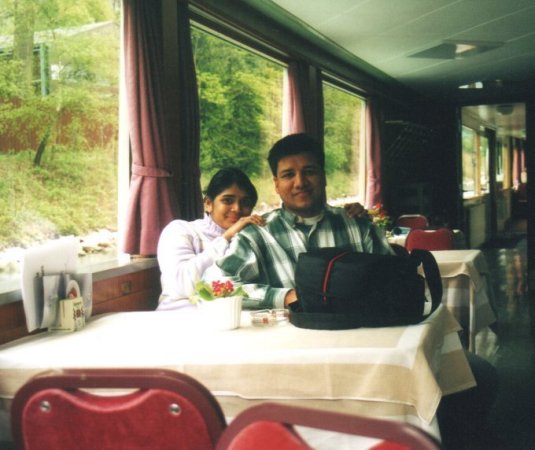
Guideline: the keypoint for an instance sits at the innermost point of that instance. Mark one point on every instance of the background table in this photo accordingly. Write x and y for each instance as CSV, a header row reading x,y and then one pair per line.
x,y
396,372
466,290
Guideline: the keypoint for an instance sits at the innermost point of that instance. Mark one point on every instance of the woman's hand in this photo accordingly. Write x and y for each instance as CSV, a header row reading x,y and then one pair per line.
x,y
254,219
354,210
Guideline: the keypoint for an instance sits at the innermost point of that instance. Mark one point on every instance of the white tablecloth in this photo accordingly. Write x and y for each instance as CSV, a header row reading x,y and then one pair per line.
x,y
466,291
398,372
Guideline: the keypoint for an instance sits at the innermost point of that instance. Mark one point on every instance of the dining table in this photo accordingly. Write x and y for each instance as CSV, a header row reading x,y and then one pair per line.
x,y
467,290
397,372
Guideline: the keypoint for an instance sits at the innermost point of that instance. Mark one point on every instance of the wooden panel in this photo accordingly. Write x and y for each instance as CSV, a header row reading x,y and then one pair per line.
x,y
12,322
124,285
136,291
146,300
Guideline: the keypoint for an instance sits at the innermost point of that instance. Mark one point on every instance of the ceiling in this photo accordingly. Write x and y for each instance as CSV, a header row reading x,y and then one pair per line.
x,y
385,33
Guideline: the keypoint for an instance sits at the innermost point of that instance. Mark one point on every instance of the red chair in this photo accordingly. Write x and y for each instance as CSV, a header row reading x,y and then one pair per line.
x,y
430,239
270,426
115,409
414,221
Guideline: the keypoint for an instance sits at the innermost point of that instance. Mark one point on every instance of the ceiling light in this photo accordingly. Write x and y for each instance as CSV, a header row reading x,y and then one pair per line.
x,y
486,84
505,109
475,85
456,49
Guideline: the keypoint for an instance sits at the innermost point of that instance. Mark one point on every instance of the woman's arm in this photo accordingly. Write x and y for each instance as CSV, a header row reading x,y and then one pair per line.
x,y
183,257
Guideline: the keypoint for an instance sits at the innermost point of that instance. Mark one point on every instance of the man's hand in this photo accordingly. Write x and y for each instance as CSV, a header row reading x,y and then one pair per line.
x,y
291,297
354,210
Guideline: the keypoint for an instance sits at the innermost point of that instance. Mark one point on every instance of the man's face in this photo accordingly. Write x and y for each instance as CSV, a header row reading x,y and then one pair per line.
x,y
300,183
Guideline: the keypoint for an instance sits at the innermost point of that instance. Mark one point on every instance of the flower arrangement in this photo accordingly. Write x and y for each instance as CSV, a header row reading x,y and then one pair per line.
x,y
379,216
217,289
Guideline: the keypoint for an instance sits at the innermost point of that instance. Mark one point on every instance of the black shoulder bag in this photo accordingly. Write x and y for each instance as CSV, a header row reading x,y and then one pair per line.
x,y
340,289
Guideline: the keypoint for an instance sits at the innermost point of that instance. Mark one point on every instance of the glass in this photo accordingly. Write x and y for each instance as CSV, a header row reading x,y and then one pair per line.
x,y
59,126
344,158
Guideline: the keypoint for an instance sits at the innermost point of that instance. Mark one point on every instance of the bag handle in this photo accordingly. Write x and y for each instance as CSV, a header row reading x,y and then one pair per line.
x,y
432,274
327,275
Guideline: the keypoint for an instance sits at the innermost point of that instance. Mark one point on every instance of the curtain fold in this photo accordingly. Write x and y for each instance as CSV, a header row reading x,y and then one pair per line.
x,y
374,194
303,110
185,129
164,136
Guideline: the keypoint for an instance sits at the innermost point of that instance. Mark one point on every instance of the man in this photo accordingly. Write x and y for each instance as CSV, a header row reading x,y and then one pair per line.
x,y
264,258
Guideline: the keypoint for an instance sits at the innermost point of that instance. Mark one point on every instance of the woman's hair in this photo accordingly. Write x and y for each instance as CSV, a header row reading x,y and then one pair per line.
x,y
224,178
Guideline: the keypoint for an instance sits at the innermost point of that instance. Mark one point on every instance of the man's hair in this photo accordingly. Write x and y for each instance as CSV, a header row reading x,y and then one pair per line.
x,y
294,144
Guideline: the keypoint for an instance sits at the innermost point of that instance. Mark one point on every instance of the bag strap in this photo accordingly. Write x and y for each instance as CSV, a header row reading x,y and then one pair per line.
x,y
327,275
432,274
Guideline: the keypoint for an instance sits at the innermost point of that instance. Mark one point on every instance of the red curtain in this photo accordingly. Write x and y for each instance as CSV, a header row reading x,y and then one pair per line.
x,y
303,100
182,101
160,178
374,193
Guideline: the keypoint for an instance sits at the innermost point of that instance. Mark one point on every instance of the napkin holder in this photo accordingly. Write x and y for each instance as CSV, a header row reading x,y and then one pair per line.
x,y
65,306
70,315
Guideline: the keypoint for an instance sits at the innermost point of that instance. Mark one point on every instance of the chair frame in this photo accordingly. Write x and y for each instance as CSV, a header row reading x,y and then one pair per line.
x,y
417,217
120,378
372,427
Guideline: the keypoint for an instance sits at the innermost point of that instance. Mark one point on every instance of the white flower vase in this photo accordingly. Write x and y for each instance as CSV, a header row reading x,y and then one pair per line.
x,y
222,313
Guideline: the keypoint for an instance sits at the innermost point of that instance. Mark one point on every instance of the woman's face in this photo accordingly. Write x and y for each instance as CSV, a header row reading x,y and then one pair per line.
x,y
229,206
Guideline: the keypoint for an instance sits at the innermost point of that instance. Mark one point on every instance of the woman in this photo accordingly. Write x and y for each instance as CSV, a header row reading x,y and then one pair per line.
x,y
187,249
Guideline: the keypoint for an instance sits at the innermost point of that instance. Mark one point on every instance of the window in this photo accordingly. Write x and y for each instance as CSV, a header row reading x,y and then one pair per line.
x,y
499,160
240,95
344,157
58,122
475,163
484,165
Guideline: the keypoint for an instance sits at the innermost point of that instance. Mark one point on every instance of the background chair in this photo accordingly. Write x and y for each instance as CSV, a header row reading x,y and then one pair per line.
x,y
412,221
130,409
269,426
430,239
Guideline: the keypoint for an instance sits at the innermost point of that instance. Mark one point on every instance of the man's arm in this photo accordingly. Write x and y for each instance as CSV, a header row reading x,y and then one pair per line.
x,y
245,262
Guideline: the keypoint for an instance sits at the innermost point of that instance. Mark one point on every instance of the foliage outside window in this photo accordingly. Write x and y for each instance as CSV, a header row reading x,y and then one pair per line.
x,y
241,110
499,161
59,69
484,181
241,102
475,163
506,162
344,157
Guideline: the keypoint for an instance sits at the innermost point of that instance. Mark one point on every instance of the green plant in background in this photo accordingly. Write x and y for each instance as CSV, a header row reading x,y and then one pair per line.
x,y
58,119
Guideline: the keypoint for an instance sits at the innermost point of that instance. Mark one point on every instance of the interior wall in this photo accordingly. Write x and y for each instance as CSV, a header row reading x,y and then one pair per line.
x,y
420,151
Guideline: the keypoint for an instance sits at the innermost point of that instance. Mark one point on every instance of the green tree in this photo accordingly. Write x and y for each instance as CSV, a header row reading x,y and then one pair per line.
x,y
237,108
70,133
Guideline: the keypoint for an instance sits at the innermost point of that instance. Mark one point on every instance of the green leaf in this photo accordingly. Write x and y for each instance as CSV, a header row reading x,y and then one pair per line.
x,y
204,290
240,292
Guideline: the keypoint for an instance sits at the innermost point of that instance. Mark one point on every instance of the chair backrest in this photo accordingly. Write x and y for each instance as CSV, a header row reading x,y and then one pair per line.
x,y
271,426
430,239
413,221
115,409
